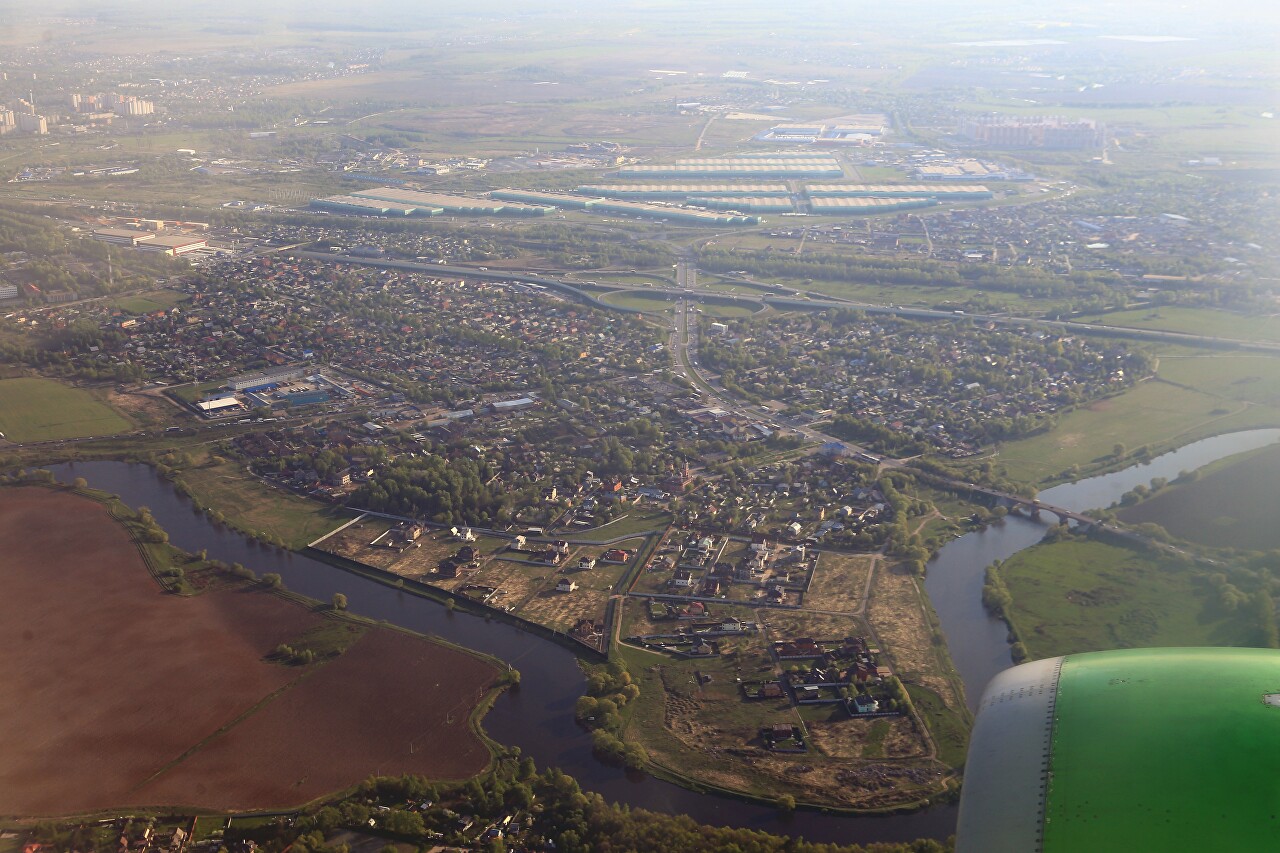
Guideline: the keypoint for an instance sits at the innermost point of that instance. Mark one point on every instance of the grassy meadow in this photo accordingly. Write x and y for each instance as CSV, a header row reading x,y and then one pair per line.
x,y
1080,596
1196,394
1231,506
33,409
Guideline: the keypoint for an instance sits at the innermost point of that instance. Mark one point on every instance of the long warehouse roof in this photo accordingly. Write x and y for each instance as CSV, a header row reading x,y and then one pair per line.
x,y
861,203
685,189
367,203
892,189
447,202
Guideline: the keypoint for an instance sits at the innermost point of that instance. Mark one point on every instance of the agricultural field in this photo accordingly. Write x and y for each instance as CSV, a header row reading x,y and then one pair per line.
x,y
1232,506
81,742
1082,596
33,409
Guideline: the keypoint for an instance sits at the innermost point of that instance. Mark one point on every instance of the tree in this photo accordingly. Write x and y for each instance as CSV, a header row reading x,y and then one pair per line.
x,y
786,803
339,601
273,580
79,483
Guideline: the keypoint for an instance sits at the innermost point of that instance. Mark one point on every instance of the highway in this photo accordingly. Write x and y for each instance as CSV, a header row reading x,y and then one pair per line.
x,y
804,301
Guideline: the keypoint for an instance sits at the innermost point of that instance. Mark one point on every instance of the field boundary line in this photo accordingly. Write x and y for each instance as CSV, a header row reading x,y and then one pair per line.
x,y
336,531
226,727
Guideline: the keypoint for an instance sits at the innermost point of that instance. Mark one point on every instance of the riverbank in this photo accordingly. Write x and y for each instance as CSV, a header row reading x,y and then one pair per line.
x,y
980,643
538,716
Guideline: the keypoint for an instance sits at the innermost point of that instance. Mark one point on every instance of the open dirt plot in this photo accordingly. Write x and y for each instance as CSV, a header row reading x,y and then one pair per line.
x,y
516,582
789,624
422,559
897,614
108,681
896,737
147,408
353,543
562,610
839,581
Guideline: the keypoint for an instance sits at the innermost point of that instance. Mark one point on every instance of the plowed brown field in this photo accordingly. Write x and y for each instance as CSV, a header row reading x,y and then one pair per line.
x,y
115,693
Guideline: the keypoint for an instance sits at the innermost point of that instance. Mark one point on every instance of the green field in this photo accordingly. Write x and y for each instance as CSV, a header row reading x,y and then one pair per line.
x,y
1195,321
1201,395
144,303
255,508
949,729
711,309
639,302
1082,596
635,521
1247,378
33,409
196,391
1233,506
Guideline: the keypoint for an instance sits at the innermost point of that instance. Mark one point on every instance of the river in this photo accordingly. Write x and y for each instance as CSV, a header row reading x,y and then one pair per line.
x,y
978,641
537,716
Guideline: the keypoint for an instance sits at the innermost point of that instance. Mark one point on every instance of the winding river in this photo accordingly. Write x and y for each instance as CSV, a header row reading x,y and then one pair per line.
x,y
979,642
538,716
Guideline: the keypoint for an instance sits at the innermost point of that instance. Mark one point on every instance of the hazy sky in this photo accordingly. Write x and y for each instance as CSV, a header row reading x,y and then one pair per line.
x,y
1154,15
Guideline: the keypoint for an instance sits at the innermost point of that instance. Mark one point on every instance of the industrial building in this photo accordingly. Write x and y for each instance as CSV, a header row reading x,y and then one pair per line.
x,y
852,130
369,207
123,236
746,166
868,205
219,405
452,205
177,244
745,204
942,192
256,381
634,208
961,170
685,190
